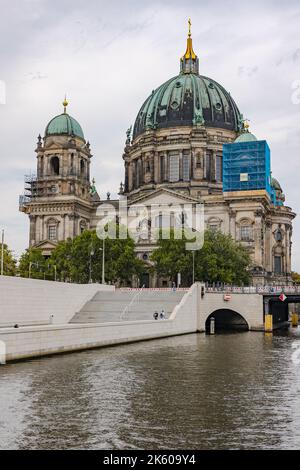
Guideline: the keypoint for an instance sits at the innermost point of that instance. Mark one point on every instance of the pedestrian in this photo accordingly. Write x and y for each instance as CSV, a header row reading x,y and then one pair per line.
x,y
174,287
155,315
162,315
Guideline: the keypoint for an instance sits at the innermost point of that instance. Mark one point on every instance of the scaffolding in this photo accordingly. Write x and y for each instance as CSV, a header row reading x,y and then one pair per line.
x,y
247,166
31,191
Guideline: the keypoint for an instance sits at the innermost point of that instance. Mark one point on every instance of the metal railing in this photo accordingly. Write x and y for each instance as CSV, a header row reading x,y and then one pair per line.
x,y
133,301
253,289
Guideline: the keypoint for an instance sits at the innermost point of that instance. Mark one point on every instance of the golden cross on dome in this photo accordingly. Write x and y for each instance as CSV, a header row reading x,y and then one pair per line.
x,y
190,27
65,104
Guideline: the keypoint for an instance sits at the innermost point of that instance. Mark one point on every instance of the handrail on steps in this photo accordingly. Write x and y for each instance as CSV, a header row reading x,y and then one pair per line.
x,y
135,298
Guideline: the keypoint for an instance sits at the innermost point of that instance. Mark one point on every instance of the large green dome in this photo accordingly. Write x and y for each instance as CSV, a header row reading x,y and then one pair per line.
x,y
185,100
64,125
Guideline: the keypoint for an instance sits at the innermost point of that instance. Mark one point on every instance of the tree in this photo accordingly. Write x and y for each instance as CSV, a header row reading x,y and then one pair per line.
x,y
221,259
80,260
296,277
9,262
33,264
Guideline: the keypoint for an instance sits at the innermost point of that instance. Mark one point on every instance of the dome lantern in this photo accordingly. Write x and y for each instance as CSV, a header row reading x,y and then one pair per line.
x,y
189,63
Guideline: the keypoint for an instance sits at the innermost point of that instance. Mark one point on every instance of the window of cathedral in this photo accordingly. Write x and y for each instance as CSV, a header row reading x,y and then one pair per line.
x,y
186,166
278,236
277,264
246,233
52,232
82,227
213,227
54,164
208,158
174,168
218,168
82,167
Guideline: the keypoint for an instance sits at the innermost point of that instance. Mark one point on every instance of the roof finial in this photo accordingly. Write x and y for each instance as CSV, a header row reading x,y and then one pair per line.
x,y
189,62
190,27
65,104
246,125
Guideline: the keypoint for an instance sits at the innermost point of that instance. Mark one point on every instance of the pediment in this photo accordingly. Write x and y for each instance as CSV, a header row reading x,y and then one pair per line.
x,y
164,196
46,245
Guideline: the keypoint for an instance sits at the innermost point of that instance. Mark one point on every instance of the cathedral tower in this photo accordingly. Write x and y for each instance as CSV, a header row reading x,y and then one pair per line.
x,y
58,197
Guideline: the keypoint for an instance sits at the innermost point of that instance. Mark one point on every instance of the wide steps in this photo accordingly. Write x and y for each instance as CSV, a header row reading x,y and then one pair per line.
x,y
111,307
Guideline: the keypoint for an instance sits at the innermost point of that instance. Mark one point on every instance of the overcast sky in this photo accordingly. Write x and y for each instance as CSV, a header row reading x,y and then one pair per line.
x,y
109,55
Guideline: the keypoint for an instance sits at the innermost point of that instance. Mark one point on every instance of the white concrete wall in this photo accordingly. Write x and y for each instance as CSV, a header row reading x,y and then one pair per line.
x,y
43,340
30,301
249,306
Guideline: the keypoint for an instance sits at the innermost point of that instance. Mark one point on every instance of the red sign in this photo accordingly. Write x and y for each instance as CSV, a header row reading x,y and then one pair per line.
x,y
282,297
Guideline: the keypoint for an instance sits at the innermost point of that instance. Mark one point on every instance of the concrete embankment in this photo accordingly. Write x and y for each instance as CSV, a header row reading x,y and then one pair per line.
x,y
41,340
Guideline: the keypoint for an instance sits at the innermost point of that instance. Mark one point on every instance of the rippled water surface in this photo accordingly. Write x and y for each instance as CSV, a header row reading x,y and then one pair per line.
x,y
196,392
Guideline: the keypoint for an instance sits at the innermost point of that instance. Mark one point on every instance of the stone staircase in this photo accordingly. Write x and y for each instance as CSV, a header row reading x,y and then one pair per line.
x,y
127,305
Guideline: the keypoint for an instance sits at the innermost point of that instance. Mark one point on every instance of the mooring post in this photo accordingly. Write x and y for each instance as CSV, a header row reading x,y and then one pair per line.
x,y
268,317
212,326
295,319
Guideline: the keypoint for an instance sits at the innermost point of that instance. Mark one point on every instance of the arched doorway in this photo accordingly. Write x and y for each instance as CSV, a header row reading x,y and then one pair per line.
x,y
226,319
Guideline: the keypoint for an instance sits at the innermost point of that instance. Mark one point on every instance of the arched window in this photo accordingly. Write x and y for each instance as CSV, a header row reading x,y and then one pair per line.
x,y
82,167
278,235
52,232
54,163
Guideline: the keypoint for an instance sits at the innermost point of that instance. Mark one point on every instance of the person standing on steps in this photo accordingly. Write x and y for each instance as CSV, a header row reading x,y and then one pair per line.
x,y
155,315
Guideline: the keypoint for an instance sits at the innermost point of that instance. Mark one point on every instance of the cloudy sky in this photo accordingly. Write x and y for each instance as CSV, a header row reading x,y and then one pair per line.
x,y
108,57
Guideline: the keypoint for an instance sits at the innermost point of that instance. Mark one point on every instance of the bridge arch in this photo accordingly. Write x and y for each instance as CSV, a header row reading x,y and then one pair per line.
x,y
227,319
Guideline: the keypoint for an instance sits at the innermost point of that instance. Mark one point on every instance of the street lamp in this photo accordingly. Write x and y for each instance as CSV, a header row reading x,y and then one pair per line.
x,y
92,252
2,254
193,253
103,262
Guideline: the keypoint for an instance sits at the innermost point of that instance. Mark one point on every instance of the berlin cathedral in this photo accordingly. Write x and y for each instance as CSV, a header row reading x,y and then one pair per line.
x,y
189,144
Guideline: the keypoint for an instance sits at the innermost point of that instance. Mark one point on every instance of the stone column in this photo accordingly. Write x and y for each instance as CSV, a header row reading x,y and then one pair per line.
x,y
257,239
287,249
156,167
268,247
232,223
181,166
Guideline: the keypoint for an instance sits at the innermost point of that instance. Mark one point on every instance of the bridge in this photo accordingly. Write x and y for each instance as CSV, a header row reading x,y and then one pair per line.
x,y
247,307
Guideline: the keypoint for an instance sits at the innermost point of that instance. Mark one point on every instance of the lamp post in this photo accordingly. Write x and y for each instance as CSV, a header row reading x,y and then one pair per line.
x,y
103,262
2,253
193,267
92,252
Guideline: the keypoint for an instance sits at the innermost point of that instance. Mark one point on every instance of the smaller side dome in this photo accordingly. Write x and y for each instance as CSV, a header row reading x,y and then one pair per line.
x,y
64,124
275,184
246,135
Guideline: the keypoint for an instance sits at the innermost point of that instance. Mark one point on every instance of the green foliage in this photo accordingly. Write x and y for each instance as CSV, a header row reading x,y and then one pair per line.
x,y
221,259
296,277
9,262
80,259
33,264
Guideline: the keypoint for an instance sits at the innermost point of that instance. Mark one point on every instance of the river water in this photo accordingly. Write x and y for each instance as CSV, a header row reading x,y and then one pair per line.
x,y
229,391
